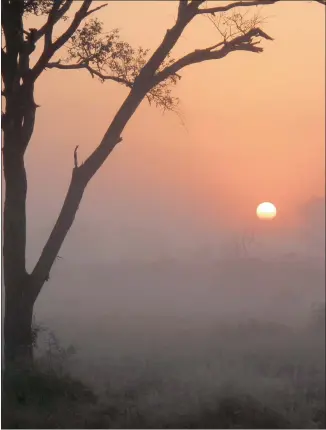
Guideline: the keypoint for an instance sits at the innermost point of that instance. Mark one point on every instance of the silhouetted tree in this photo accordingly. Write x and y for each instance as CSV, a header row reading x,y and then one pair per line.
x,y
107,57
318,316
313,224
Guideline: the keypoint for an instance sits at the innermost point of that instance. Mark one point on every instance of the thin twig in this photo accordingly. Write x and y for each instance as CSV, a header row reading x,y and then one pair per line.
x,y
76,157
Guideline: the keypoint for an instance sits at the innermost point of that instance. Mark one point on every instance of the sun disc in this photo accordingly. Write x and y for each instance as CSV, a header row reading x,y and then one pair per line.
x,y
266,211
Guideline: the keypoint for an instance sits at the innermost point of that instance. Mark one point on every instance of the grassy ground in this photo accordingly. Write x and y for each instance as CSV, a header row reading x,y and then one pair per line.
x,y
253,375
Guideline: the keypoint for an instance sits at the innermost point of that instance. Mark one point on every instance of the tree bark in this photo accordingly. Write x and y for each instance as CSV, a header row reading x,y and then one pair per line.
x,y
19,298
18,351
41,272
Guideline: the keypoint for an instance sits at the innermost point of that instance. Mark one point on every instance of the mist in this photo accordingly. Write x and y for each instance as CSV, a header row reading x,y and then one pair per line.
x,y
157,295
170,303
183,320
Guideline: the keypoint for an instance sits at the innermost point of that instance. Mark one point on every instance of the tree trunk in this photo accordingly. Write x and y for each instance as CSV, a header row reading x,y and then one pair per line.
x,y
19,298
18,351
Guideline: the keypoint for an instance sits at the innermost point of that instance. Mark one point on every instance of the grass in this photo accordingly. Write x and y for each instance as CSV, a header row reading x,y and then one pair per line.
x,y
42,399
253,375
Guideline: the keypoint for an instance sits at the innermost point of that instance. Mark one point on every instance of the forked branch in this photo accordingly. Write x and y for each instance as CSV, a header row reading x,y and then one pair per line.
x,y
241,43
145,77
52,48
58,11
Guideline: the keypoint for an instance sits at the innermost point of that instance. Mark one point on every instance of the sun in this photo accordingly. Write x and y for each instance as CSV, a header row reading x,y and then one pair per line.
x,y
266,211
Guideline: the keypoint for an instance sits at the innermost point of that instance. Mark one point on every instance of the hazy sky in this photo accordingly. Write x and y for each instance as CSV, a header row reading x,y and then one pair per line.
x,y
253,130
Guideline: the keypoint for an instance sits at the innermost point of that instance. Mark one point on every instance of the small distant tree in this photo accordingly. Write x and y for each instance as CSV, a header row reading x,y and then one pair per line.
x,y
84,45
318,316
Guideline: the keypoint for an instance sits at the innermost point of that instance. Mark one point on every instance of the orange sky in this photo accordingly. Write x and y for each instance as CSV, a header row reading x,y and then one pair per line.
x,y
254,127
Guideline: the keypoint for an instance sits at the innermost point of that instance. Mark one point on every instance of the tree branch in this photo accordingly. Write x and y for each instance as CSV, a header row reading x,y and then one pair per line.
x,y
41,271
182,7
240,43
240,3
50,51
91,70
96,9
52,19
170,39
79,180
76,157
60,13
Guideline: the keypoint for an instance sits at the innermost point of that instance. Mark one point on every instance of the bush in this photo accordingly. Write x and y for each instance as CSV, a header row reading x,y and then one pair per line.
x,y
318,316
45,396
283,368
39,399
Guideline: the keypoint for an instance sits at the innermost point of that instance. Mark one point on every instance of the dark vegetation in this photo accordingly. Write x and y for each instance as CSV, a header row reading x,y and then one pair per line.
x,y
249,375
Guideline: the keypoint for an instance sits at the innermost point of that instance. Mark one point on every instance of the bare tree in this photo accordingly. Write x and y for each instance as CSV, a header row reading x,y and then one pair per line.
x,y
107,57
